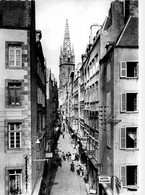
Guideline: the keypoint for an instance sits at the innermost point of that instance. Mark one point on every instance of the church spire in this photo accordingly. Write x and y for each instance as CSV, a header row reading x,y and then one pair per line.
x,y
66,42
66,53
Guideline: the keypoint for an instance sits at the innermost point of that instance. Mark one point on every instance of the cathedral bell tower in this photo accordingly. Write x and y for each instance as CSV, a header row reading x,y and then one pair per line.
x,y
66,62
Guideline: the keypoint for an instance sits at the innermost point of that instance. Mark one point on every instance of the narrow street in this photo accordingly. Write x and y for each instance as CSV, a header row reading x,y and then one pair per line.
x,y
65,181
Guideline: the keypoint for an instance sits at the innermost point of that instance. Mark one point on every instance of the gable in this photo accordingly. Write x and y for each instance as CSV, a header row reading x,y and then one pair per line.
x,y
129,35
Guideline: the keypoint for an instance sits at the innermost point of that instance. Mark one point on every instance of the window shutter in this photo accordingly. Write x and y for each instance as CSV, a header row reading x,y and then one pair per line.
x,y
24,55
6,54
136,139
123,102
6,180
137,102
123,175
6,94
135,176
123,69
122,138
136,70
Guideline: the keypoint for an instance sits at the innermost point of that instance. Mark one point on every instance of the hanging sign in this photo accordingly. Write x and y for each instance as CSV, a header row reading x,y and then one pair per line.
x,y
104,179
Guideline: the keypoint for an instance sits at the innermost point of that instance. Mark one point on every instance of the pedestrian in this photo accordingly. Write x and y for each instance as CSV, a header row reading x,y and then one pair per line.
x,y
81,171
72,167
73,157
78,169
63,156
59,162
67,156
76,156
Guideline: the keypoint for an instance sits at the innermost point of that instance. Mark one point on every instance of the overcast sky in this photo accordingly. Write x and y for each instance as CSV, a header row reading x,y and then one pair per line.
x,y
51,16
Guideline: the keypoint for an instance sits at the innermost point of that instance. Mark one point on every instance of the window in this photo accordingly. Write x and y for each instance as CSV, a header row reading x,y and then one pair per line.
x,y
14,93
15,182
15,56
14,130
128,137
129,69
128,102
129,175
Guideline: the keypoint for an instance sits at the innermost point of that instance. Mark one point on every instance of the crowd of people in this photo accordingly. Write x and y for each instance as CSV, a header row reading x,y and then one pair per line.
x,y
72,158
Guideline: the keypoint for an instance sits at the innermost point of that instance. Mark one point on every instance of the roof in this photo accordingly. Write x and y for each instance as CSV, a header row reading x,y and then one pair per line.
x,y
107,23
129,35
14,14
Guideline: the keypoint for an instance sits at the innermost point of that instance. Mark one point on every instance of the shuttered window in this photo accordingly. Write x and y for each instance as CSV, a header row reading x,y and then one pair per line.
x,y
129,102
129,175
128,138
128,69
13,89
14,93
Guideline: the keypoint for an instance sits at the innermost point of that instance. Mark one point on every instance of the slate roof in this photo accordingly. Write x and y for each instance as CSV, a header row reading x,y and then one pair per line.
x,y
107,23
129,36
14,14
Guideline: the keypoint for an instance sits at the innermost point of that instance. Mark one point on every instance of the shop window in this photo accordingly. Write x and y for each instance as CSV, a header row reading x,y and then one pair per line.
x,y
128,137
14,131
129,69
129,102
129,176
15,182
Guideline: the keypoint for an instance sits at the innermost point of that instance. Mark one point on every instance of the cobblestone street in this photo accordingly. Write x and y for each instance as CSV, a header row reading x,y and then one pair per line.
x,y
65,181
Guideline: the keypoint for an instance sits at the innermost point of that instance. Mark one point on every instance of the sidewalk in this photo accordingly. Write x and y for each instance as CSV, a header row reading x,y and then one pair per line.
x,y
65,181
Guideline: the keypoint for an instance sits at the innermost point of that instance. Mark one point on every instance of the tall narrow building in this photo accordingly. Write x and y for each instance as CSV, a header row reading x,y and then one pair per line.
x,y
66,64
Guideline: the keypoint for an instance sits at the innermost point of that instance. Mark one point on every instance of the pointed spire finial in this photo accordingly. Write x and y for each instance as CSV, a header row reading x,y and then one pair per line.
x,y
66,42
66,53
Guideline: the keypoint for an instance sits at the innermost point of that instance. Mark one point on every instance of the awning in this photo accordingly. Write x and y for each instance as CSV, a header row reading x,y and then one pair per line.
x,y
93,161
107,188
37,186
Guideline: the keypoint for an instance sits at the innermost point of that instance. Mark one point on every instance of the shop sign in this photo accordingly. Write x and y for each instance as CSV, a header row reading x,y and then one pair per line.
x,y
104,179
48,155
92,191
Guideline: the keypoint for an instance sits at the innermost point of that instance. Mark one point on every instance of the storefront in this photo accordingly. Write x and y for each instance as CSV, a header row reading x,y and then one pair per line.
x,y
93,170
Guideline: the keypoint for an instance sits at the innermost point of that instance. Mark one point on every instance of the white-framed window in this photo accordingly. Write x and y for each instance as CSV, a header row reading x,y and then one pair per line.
x,y
129,176
128,138
14,131
15,181
129,102
128,69
15,56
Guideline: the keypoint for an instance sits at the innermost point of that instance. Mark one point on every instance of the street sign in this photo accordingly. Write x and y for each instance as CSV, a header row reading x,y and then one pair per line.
x,y
104,179
48,155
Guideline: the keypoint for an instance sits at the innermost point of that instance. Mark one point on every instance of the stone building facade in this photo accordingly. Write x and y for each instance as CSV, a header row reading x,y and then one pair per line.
x,y
22,99
108,129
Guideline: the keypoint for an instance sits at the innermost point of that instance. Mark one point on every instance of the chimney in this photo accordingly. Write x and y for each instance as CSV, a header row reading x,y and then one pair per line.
x,y
117,15
131,8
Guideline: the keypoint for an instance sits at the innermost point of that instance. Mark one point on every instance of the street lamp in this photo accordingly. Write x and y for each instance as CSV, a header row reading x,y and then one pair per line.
x,y
38,138
37,141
